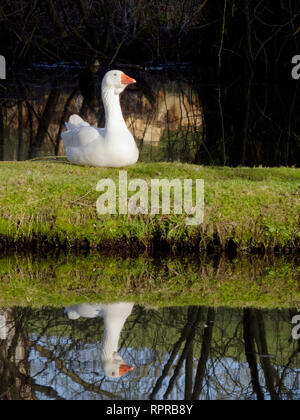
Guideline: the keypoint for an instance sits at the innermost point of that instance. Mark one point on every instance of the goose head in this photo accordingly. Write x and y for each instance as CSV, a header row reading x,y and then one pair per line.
x,y
115,367
114,315
116,81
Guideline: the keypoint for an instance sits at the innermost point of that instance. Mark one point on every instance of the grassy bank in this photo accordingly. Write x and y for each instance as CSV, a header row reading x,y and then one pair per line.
x,y
53,204
65,280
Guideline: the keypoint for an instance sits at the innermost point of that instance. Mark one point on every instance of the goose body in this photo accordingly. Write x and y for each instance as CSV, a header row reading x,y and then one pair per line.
x,y
114,316
111,146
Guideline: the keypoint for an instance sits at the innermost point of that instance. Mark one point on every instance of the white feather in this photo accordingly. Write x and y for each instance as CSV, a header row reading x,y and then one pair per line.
x,y
112,146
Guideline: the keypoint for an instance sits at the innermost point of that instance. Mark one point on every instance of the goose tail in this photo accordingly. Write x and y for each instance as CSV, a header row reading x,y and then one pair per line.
x,y
75,121
72,126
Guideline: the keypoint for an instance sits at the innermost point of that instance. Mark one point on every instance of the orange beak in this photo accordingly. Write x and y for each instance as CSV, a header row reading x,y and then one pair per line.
x,y
124,368
126,80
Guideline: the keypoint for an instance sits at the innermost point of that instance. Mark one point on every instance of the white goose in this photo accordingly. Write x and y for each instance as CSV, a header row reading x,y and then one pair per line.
x,y
112,146
115,316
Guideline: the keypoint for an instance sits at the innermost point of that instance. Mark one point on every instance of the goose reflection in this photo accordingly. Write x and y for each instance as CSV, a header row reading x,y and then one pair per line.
x,y
114,316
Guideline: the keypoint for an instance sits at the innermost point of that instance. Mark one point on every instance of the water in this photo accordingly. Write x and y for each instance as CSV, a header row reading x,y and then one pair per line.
x,y
177,353
146,328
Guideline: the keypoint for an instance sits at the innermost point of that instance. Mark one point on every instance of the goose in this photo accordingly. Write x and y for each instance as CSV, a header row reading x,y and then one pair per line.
x,y
115,315
112,146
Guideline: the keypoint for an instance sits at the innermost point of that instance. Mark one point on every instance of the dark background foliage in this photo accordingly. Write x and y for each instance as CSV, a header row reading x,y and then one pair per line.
x,y
239,54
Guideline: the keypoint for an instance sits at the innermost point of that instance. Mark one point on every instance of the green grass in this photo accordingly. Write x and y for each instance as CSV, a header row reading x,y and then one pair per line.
x,y
53,204
65,280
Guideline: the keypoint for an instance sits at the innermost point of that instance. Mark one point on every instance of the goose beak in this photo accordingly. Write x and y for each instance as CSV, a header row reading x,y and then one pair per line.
x,y
123,368
126,80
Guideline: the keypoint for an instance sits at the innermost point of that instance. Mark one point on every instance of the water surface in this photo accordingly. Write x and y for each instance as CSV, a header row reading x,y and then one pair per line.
x,y
191,352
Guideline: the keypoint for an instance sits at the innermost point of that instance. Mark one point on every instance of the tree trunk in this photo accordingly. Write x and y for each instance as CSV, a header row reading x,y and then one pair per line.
x,y
20,130
44,123
206,344
269,371
250,351
54,16
62,121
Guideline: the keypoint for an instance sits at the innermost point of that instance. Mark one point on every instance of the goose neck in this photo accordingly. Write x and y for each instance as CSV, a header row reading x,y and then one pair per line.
x,y
114,119
112,331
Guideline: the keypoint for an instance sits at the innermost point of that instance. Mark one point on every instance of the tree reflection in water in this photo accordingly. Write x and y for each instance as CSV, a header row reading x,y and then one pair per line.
x,y
177,353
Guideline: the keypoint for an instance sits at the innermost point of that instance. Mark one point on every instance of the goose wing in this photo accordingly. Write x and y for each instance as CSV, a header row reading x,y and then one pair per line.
x,y
80,133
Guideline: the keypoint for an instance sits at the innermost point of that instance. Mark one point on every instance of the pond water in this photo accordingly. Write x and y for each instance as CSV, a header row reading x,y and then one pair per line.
x,y
95,326
127,351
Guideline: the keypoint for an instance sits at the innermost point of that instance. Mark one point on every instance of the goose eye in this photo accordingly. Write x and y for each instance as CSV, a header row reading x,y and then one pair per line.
x,y
115,74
